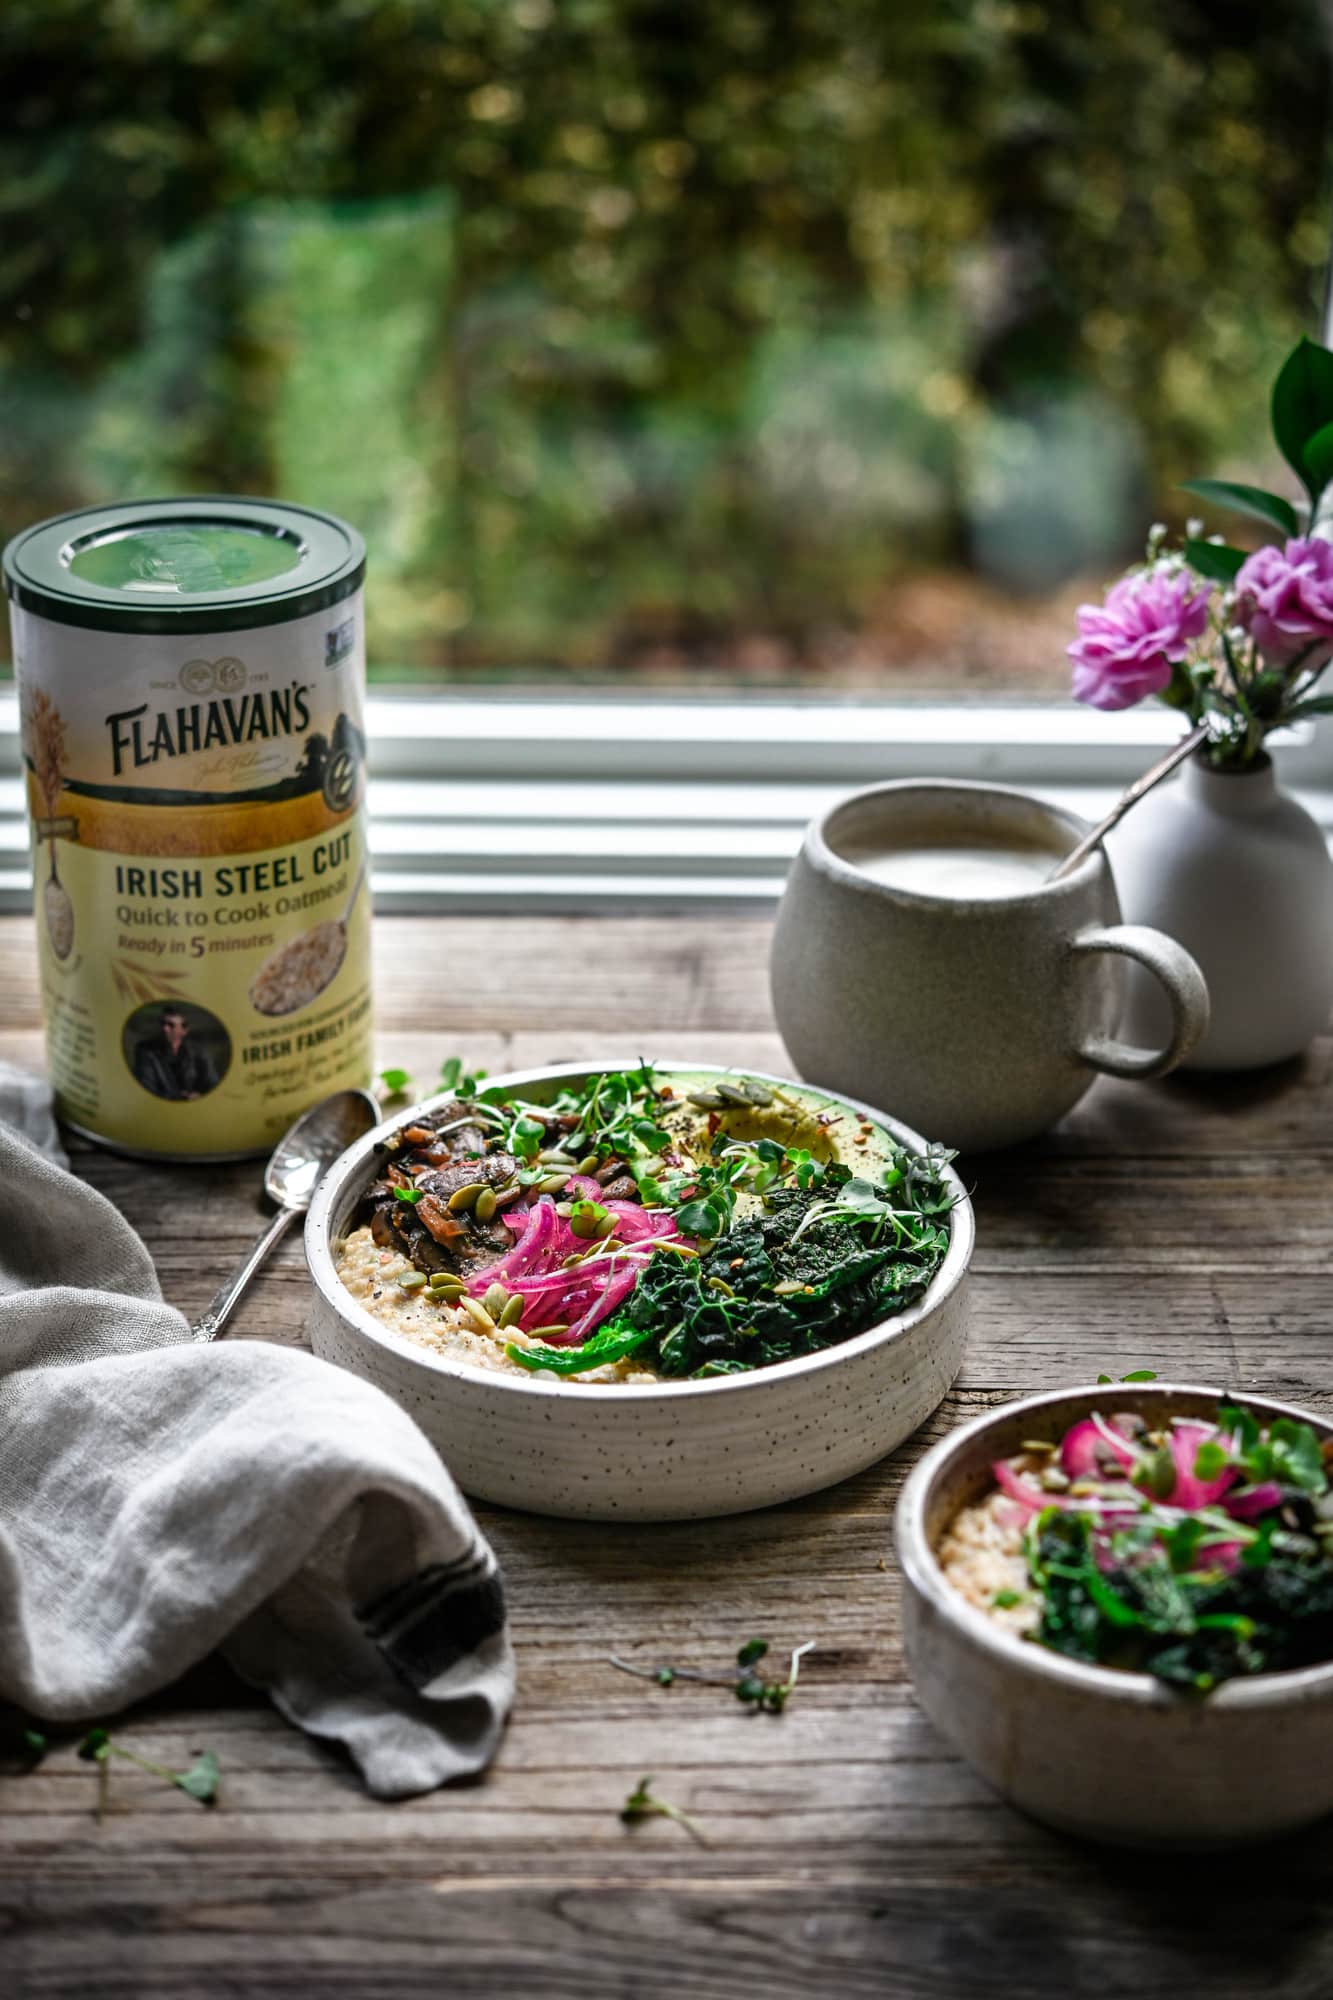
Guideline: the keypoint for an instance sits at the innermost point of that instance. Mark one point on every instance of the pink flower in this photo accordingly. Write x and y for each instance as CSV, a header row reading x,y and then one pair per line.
x,y
1127,646
1284,598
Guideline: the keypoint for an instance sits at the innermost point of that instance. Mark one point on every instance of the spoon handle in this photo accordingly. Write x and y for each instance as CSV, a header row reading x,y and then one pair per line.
x,y
356,891
1161,769
210,1323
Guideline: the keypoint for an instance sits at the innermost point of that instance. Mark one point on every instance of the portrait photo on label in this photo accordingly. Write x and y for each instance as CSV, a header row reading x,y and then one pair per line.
x,y
176,1049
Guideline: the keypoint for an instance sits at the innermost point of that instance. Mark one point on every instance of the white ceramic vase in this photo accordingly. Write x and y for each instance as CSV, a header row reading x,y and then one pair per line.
x,y
1229,865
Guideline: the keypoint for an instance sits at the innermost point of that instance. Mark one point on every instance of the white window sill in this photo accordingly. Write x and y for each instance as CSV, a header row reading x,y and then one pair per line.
x,y
524,803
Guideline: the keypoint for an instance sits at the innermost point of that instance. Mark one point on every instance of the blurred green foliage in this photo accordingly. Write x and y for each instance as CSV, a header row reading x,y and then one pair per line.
x,y
622,321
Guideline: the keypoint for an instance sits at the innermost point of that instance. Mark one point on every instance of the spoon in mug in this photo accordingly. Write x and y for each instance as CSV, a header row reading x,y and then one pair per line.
x,y
1161,769
300,1160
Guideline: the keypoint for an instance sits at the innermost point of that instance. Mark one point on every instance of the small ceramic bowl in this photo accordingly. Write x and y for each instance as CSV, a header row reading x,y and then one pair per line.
x,y
649,1452
1112,1756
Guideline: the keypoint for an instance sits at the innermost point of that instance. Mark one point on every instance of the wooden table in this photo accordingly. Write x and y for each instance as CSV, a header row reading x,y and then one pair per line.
x,y
1184,1226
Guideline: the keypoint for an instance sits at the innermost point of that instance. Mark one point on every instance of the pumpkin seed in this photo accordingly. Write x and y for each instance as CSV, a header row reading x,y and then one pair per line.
x,y
551,1156
553,1183
412,1281
484,1206
478,1314
732,1093
756,1093
550,1332
564,1208
707,1100
495,1298
512,1310
446,1281
465,1197
589,1163
789,1288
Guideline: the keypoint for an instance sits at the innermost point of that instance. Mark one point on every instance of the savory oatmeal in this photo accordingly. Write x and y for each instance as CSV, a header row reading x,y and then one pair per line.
x,y
643,1227
1197,1549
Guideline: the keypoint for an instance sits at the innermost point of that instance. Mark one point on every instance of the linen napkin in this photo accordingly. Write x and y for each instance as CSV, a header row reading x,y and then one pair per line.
x,y
159,1498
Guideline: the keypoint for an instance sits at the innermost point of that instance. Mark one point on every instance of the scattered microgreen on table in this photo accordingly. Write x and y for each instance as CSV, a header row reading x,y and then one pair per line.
x,y
22,1744
749,1686
199,1782
641,1804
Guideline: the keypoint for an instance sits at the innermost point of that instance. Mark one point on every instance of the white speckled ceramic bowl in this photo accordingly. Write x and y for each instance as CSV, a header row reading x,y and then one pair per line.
x,y
1112,1756
649,1452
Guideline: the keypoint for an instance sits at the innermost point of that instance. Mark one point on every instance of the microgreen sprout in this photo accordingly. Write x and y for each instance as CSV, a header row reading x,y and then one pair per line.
x,y
641,1804
464,1083
199,1782
749,1687
20,1743
397,1082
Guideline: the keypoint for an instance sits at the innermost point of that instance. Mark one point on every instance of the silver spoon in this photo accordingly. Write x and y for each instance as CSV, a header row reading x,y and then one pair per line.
x,y
1161,769
300,1159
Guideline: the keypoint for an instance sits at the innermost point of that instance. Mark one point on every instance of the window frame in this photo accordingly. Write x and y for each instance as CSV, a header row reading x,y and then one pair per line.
x,y
536,801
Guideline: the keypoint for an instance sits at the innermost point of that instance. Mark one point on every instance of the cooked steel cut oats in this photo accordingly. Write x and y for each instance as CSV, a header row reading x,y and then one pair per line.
x,y
982,1555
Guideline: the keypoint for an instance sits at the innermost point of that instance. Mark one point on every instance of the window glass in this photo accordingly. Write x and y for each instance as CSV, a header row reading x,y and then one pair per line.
x,y
815,342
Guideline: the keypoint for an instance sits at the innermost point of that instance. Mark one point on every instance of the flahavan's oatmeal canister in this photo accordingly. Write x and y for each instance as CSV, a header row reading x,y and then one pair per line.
x,y
190,681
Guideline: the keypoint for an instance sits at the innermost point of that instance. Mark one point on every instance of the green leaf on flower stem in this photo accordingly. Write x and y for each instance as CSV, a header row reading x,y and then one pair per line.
x,y
1321,704
1302,407
1214,560
1319,456
1253,500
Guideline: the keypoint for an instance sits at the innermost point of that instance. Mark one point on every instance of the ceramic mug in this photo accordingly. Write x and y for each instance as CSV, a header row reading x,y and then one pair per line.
x,y
978,1020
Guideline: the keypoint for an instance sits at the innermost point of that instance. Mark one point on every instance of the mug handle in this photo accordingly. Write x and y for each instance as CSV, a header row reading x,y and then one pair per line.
x,y
1180,979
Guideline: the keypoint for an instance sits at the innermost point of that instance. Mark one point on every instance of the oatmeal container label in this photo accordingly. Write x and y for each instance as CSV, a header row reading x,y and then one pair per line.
x,y
199,870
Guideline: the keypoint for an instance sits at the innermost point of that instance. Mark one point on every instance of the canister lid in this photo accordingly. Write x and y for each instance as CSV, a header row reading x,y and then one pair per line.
x,y
205,564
